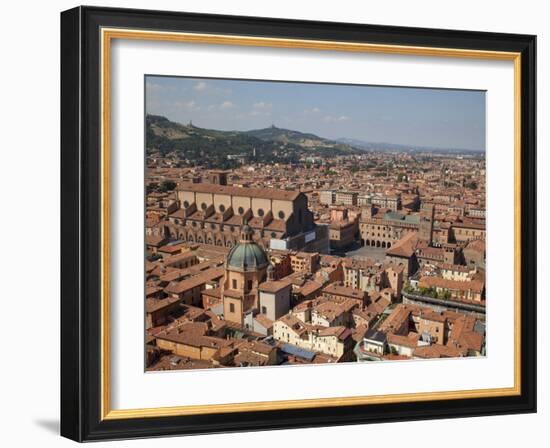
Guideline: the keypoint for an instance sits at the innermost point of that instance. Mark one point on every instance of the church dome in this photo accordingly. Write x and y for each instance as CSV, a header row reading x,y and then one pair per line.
x,y
247,255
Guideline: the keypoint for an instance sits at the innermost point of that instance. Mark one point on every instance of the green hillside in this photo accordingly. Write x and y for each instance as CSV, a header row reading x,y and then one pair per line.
x,y
221,149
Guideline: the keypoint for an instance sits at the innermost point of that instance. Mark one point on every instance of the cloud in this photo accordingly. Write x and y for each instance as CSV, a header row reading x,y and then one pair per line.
x,y
339,119
152,87
201,86
187,105
261,108
223,106
257,113
313,110
262,105
192,105
211,89
226,105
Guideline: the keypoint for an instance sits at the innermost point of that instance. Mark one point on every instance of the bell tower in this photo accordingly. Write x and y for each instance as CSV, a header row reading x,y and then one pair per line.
x,y
245,268
425,229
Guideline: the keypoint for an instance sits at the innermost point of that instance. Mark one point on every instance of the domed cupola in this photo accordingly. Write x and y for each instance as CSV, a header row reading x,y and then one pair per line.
x,y
247,255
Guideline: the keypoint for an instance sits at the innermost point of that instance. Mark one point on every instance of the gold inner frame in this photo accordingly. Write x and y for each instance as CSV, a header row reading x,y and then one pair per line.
x,y
107,35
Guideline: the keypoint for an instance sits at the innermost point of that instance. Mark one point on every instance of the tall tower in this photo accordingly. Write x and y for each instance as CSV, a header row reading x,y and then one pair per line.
x,y
425,230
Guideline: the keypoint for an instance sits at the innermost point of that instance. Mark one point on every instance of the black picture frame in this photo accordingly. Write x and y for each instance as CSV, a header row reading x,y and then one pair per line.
x,y
81,224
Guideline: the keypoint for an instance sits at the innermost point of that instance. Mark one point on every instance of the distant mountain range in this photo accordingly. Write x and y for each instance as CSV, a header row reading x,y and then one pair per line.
x,y
395,147
220,149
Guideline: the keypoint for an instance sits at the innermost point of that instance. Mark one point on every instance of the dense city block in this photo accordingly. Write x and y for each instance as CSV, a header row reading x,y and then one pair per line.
x,y
279,251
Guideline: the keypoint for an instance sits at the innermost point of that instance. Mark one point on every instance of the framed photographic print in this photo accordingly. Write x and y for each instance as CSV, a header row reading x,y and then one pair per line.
x,y
276,224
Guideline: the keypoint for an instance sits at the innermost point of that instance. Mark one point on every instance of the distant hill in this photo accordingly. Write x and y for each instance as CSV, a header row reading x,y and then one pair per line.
x,y
395,147
307,141
287,136
212,147
227,149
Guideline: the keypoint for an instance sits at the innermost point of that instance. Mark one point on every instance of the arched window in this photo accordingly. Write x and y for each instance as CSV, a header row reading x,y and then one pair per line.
x,y
203,205
260,212
221,208
185,204
282,215
241,210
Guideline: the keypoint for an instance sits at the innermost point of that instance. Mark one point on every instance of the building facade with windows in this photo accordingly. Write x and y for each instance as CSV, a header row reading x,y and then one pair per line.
x,y
245,268
212,213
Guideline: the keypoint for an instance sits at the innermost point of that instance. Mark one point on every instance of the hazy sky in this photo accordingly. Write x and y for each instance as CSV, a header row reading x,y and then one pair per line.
x,y
418,117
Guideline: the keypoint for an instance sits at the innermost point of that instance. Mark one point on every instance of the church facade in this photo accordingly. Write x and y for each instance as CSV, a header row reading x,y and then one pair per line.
x,y
248,283
213,213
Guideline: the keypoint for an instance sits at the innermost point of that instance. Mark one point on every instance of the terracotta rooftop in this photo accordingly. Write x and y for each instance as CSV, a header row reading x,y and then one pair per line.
x,y
456,285
329,310
396,319
478,245
405,246
294,324
193,334
197,280
152,305
436,351
263,193
405,341
310,287
274,285
340,332
264,321
173,362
